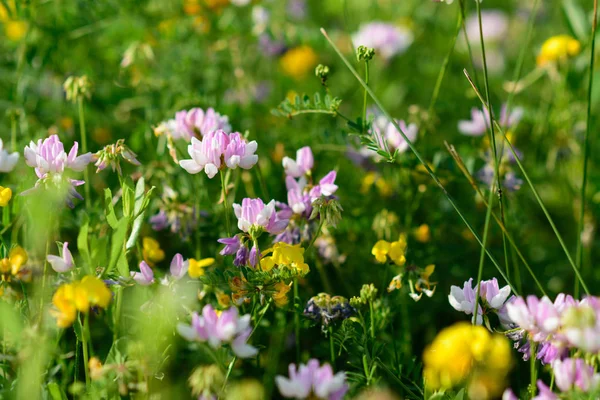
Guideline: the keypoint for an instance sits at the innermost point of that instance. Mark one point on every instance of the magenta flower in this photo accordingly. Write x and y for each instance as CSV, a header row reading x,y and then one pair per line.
x,y
299,200
232,245
198,123
219,329
326,186
62,263
311,380
145,277
302,165
254,217
218,150
388,40
574,373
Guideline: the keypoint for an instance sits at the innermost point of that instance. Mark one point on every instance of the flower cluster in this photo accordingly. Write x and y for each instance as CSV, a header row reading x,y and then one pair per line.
x,y
284,255
480,122
385,251
558,48
219,328
418,281
492,299
51,162
217,150
151,251
111,156
386,134
312,381
388,40
176,215
193,123
79,296
326,309
468,355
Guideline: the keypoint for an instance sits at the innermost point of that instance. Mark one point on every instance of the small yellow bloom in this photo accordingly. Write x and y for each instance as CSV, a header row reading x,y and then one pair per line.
x,y
63,301
423,233
98,293
381,250
280,297
5,196
558,48
17,258
284,255
79,296
96,369
15,30
151,251
196,267
298,62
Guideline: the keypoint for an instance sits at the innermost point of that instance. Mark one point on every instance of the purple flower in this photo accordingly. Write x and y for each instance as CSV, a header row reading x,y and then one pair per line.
x,y
61,263
254,256
145,277
298,200
494,24
159,221
545,392
539,317
241,257
575,373
218,329
388,40
464,300
480,121
269,46
178,267
232,245
254,215
311,380
385,132
217,147
302,165
326,186
198,123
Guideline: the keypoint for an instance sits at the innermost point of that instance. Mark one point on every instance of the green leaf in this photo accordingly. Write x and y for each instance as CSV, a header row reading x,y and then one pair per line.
x,y
460,395
141,203
576,20
307,105
109,209
128,200
116,247
56,393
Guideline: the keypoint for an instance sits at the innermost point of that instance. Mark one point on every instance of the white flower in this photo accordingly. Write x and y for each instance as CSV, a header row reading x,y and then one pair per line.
x,y
7,161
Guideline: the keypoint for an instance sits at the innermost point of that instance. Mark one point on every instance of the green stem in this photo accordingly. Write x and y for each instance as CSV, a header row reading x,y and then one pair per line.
x,y
364,113
296,321
586,140
225,206
84,150
331,346
532,371
84,343
117,316
229,369
372,318
418,155
535,193
316,235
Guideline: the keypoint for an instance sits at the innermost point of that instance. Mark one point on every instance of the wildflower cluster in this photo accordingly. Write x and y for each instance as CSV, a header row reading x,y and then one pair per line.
x,y
80,296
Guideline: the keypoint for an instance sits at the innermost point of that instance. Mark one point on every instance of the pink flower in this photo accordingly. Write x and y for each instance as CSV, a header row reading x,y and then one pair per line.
x,y
575,373
311,380
226,328
480,121
545,392
217,147
388,40
326,186
198,123
145,277
61,263
253,215
178,267
302,165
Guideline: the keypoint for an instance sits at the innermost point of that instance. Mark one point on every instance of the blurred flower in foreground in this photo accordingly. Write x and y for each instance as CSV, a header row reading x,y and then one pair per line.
x,y
467,355
388,40
151,251
492,299
12,266
574,373
64,262
326,309
558,48
218,150
50,161
111,156
145,277
310,381
206,381
298,62
494,26
220,328
7,160
79,296
5,196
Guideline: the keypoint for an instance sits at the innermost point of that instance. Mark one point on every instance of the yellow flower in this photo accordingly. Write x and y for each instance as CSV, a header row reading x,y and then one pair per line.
x,y
558,48
467,354
298,62
15,30
285,255
5,196
223,299
280,296
368,181
423,233
395,284
216,5
79,296
397,250
381,250
151,251
96,369
17,258
196,267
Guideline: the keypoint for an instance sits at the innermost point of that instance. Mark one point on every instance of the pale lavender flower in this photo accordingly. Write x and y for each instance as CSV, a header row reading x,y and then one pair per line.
x,y
241,257
480,121
145,277
464,300
386,133
574,373
297,9
581,323
254,256
311,380
62,263
302,165
494,26
198,123
269,46
387,39
326,186
217,330
254,216
492,298
544,392
178,267
299,201
539,317
232,245
7,160
509,395
218,150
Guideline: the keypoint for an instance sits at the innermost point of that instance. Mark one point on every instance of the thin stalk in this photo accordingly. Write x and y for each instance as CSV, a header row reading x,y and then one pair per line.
x,y
13,133
86,174
229,369
263,184
532,371
50,223
317,233
331,346
418,155
364,114
84,343
586,140
225,206
117,317
372,318
296,321
466,36
535,193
